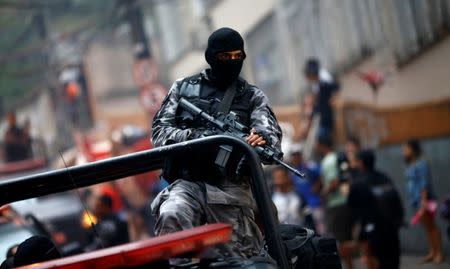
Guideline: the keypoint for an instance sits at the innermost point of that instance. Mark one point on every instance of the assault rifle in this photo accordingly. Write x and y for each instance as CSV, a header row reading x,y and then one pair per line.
x,y
229,125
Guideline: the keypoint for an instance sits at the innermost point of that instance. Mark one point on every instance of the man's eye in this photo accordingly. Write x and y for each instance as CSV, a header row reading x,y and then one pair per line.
x,y
223,56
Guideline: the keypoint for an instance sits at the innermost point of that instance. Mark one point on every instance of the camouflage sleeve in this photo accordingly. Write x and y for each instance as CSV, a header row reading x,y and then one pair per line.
x,y
263,119
164,125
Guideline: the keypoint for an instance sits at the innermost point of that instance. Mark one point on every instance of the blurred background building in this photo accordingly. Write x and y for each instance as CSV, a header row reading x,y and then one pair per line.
x,y
97,65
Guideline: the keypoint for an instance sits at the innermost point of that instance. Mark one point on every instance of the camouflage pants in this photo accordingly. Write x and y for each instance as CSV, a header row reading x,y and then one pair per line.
x,y
186,204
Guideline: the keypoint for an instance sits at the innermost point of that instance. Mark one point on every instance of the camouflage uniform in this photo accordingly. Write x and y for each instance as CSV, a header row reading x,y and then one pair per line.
x,y
189,203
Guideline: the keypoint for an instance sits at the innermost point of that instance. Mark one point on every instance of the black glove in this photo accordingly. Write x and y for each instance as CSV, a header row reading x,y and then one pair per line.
x,y
199,133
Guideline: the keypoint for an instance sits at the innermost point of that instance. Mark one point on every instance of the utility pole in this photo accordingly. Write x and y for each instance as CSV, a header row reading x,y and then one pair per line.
x,y
135,19
39,22
50,85
145,71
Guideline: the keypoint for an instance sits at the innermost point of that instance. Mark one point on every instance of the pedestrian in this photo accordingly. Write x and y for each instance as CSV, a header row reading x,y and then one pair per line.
x,y
202,191
110,229
286,200
324,86
137,226
337,213
309,188
347,161
422,197
376,206
17,141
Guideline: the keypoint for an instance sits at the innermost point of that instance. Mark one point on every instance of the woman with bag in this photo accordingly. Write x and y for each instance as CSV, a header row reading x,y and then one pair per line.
x,y
422,198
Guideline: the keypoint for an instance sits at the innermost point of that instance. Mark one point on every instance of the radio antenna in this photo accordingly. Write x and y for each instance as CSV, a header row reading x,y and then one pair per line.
x,y
86,211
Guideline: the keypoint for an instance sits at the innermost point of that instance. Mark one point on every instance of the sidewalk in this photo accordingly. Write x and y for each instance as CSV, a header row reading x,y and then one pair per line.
x,y
412,262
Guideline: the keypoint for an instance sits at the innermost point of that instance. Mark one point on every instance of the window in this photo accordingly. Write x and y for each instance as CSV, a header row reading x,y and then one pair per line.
x,y
174,37
266,62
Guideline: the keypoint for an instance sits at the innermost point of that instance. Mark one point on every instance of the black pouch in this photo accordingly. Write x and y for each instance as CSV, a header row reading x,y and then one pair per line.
x,y
171,170
172,166
308,250
198,167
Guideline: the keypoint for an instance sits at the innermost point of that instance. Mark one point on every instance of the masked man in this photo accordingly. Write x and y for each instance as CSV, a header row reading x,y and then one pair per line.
x,y
203,192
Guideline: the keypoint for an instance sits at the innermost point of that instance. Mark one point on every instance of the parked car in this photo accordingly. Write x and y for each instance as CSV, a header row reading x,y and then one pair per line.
x,y
57,214
13,230
60,215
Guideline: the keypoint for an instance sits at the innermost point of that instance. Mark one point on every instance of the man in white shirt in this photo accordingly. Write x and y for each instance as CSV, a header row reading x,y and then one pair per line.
x,y
286,200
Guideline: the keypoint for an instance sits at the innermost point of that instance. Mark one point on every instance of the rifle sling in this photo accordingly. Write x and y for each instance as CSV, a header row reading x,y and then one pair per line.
x,y
224,108
225,105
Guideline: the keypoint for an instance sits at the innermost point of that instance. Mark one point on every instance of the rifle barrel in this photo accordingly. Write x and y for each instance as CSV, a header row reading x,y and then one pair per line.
x,y
290,168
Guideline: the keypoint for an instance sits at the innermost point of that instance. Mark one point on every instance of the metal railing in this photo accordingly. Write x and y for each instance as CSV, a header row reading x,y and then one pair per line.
x,y
127,165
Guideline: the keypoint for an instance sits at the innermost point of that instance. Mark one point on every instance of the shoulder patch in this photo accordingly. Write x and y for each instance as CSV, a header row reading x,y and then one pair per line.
x,y
190,86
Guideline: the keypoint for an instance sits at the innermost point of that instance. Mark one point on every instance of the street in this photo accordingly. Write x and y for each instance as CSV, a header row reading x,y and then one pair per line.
x,y
412,262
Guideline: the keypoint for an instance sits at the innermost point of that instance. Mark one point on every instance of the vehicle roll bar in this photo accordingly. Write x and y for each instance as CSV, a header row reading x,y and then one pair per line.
x,y
70,178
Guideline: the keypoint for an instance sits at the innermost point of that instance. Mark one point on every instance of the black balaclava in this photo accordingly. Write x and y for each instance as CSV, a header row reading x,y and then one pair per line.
x,y
224,72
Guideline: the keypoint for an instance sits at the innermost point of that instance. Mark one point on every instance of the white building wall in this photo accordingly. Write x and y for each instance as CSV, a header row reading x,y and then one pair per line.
x,y
281,34
228,13
242,16
109,68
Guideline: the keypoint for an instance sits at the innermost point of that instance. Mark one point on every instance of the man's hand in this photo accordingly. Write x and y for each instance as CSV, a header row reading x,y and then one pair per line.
x,y
255,139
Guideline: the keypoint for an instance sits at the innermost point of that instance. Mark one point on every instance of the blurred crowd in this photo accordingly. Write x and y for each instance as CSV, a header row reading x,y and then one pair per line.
x,y
345,195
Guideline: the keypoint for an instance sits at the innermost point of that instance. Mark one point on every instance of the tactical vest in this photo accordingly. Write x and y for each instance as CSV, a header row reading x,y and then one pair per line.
x,y
191,89
203,168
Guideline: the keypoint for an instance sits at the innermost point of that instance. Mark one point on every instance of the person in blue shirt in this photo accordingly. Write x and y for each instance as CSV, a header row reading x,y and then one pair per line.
x,y
421,196
308,189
